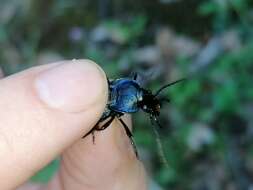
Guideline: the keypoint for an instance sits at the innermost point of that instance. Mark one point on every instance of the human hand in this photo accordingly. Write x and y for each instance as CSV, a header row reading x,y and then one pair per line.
x,y
44,112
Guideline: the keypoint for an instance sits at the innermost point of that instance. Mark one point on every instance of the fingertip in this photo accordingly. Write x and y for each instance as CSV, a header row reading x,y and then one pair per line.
x,y
72,86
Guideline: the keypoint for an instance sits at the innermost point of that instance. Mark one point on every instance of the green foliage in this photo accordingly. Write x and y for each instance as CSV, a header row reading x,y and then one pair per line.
x,y
215,99
126,32
47,173
222,12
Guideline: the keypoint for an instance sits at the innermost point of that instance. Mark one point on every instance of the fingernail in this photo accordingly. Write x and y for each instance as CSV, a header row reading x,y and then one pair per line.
x,y
72,86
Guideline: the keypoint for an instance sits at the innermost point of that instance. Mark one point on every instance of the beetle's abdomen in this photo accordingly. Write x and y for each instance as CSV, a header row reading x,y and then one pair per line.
x,y
124,96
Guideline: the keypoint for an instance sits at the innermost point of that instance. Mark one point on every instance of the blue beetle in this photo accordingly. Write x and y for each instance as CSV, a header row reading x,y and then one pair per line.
x,y
127,96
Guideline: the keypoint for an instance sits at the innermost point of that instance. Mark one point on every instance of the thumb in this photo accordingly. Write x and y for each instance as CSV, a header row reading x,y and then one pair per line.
x,y
43,110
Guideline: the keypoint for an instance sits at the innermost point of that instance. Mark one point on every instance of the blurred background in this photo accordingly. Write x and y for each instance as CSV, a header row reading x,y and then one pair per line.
x,y
207,132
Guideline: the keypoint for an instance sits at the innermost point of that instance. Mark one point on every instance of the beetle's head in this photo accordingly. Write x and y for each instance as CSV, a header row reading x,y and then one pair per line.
x,y
149,103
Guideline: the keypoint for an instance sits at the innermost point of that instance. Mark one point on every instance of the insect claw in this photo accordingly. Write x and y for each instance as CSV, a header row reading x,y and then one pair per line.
x,y
135,149
96,128
93,137
107,124
91,131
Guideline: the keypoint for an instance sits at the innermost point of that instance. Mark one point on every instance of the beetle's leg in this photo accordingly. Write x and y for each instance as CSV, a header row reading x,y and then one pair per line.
x,y
104,126
93,136
95,128
130,136
108,81
92,131
135,75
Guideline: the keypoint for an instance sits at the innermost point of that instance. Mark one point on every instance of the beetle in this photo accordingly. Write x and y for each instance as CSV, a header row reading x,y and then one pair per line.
x,y
127,96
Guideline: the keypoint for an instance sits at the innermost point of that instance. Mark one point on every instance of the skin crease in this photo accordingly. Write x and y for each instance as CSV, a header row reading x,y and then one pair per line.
x,y
32,134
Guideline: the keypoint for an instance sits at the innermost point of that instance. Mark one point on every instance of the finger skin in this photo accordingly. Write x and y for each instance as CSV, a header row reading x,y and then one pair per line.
x,y
1,73
109,164
30,186
32,133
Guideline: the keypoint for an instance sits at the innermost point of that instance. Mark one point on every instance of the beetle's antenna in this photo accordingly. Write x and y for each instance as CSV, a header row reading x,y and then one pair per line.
x,y
158,141
167,85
